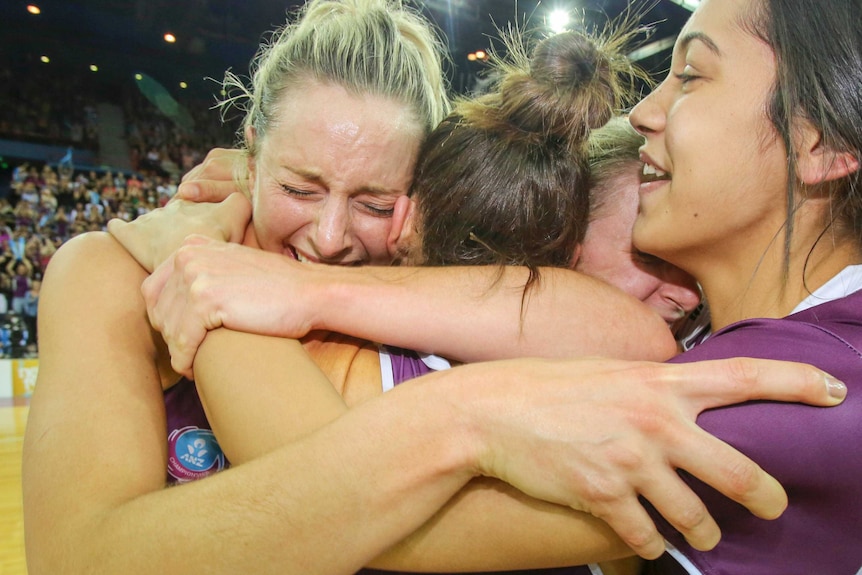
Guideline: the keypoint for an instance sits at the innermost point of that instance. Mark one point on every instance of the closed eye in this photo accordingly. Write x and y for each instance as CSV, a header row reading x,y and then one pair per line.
x,y
296,193
378,211
684,78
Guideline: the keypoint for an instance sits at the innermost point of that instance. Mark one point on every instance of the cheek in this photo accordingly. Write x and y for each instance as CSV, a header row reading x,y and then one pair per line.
x,y
638,283
373,235
277,220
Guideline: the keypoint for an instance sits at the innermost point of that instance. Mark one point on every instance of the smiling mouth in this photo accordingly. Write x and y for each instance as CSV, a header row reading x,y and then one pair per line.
x,y
652,174
295,254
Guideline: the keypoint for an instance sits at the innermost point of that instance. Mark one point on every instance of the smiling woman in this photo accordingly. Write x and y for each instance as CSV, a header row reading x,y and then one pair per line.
x,y
344,486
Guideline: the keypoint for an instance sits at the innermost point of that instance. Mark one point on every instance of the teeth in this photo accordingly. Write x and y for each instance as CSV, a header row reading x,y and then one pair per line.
x,y
300,258
654,172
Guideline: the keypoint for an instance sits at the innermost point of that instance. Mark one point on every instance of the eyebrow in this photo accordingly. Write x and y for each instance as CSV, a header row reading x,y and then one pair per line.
x,y
706,40
315,177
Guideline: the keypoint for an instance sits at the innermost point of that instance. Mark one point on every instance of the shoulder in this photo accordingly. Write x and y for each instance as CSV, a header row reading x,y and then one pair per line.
x,y
91,260
92,286
810,450
824,335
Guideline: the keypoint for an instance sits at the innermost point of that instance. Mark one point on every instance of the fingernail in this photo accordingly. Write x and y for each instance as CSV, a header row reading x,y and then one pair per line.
x,y
836,388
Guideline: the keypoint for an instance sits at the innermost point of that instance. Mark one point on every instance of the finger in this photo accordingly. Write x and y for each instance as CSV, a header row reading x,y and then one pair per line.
x,y
723,382
184,342
235,212
115,224
153,285
206,190
730,472
682,508
182,363
634,526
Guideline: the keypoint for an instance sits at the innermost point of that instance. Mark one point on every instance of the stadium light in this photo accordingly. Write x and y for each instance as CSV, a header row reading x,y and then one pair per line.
x,y
558,21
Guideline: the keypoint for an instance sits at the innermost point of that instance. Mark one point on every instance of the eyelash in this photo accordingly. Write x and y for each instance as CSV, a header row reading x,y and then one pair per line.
x,y
295,192
685,78
373,210
380,212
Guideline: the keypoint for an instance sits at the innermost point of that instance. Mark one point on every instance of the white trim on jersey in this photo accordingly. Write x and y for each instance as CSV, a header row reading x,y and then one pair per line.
x,y
435,362
595,569
682,559
386,375
848,280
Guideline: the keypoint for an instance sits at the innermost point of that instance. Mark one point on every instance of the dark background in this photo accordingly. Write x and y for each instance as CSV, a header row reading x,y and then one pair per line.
x,y
126,36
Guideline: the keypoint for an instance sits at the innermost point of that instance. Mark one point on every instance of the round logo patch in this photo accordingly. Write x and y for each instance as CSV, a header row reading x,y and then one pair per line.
x,y
193,453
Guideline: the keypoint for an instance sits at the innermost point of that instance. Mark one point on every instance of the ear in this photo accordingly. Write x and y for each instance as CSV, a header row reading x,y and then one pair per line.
x,y
402,230
815,163
576,256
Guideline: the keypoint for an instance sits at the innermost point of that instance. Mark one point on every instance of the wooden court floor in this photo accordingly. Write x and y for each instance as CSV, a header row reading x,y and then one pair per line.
x,y
13,419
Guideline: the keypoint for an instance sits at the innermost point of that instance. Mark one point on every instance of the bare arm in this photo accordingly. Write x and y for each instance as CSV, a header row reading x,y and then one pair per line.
x,y
94,457
542,400
211,284
488,526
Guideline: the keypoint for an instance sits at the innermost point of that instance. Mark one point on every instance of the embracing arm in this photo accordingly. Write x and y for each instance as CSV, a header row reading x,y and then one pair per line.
x,y
212,284
95,450
481,313
600,444
261,392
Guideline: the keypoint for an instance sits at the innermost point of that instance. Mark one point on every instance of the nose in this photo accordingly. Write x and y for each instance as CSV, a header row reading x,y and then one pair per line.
x,y
648,116
680,288
332,238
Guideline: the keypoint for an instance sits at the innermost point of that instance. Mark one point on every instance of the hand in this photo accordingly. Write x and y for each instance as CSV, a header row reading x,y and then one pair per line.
x,y
151,238
213,180
208,284
595,434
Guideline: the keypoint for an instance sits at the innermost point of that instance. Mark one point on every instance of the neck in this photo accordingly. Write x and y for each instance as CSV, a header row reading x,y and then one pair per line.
x,y
748,287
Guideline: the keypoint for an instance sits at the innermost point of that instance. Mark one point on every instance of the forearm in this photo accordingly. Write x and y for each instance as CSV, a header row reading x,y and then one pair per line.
x,y
94,456
487,526
490,526
325,504
260,392
467,315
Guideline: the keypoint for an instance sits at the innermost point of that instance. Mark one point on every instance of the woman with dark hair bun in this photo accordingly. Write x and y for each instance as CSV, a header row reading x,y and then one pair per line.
x,y
502,181
328,490
751,183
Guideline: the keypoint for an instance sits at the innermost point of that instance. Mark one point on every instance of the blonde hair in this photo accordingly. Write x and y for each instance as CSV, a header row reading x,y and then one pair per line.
x,y
378,47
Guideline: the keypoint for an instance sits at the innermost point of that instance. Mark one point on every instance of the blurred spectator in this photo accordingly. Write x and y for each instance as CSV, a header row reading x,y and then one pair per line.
x,y
46,206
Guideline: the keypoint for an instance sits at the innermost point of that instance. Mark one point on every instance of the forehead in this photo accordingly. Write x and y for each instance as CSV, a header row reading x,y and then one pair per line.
x,y
325,131
719,38
716,20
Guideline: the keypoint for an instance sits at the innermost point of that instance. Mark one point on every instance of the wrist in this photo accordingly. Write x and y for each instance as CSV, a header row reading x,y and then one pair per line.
x,y
346,300
450,420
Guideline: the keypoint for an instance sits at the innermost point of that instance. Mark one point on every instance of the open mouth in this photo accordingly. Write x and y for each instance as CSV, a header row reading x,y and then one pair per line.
x,y
652,174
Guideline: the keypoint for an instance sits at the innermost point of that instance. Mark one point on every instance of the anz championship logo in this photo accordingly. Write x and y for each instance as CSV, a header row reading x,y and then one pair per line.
x,y
193,453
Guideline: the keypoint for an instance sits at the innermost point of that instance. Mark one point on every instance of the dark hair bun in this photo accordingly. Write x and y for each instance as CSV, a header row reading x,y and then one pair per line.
x,y
570,88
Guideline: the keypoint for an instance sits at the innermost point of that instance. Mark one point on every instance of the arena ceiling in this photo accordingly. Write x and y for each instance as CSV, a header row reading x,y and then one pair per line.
x,y
124,36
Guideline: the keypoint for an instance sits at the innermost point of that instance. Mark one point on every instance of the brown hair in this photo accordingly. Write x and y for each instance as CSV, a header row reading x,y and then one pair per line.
x,y
818,57
504,179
